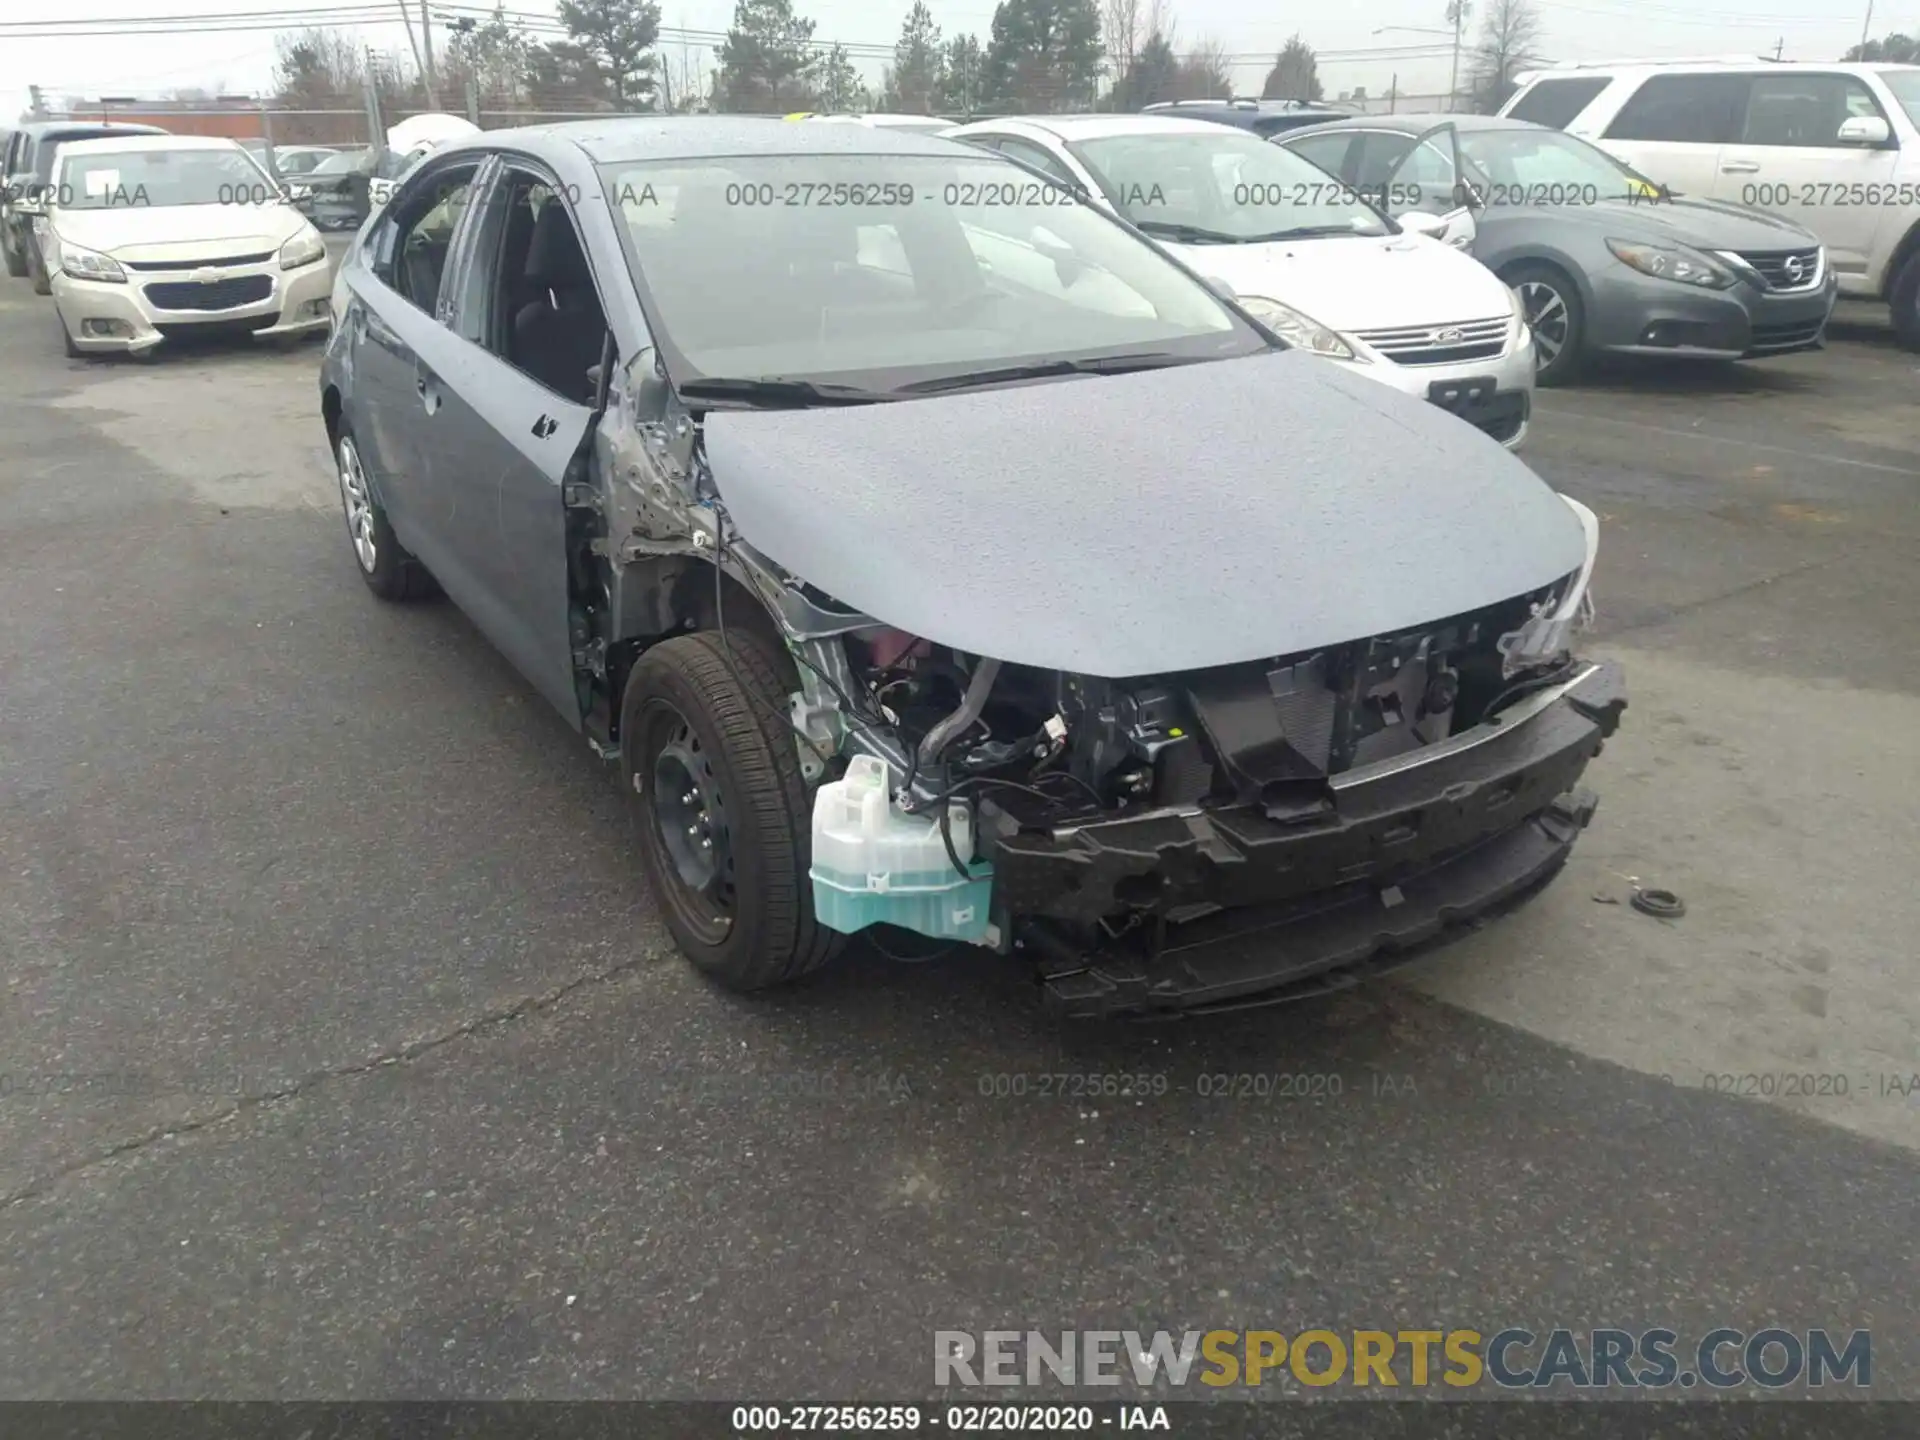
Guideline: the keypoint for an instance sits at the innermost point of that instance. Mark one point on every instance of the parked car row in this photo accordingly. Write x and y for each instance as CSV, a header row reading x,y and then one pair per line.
x,y
1597,258
938,551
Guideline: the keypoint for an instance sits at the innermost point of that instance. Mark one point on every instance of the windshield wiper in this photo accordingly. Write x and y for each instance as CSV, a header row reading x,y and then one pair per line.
x,y
1045,369
1187,234
1306,232
777,391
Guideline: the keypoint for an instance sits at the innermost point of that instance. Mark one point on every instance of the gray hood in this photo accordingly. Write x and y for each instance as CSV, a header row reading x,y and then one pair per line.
x,y
1140,524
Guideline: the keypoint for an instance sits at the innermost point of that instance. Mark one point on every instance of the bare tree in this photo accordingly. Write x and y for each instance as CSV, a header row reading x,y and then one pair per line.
x,y
1120,24
1204,72
1509,43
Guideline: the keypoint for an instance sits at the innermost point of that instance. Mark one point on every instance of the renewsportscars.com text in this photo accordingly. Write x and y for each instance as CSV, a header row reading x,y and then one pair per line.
x,y
1511,1359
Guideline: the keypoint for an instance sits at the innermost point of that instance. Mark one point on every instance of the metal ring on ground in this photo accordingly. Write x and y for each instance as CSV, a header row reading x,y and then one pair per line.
x,y
1661,904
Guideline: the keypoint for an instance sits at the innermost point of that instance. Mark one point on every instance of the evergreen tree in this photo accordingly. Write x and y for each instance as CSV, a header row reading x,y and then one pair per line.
x,y
767,63
1044,55
619,35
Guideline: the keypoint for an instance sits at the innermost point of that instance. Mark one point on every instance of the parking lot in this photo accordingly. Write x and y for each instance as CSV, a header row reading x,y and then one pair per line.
x,y
344,1054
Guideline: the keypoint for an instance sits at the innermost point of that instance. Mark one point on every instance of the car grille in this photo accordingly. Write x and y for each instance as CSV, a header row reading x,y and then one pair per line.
x,y
225,262
1778,267
1793,336
1441,344
220,295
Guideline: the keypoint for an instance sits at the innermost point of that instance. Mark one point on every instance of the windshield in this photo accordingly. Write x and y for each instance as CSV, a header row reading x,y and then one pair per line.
x,y
1546,167
1905,85
1228,187
886,269
347,162
117,179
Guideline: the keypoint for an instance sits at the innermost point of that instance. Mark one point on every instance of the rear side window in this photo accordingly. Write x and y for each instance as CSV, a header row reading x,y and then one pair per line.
x,y
1804,110
1558,103
1329,152
1699,109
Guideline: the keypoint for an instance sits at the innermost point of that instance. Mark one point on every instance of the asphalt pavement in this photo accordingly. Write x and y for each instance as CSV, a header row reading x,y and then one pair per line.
x,y
342,1052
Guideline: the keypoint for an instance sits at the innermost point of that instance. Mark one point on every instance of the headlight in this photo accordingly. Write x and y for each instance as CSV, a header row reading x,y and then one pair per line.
x,y
85,264
303,249
1296,329
1671,262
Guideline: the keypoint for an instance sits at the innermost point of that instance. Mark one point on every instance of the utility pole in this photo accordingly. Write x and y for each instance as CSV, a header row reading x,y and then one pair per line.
x,y
1393,94
1865,26
426,44
1457,13
1778,46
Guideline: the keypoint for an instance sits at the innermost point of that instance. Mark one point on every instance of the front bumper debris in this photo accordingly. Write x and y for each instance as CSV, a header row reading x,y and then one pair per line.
x,y
1228,908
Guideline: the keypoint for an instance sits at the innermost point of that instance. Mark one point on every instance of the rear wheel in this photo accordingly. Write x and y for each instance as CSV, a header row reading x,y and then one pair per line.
x,y
709,759
1557,319
389,570
1904,299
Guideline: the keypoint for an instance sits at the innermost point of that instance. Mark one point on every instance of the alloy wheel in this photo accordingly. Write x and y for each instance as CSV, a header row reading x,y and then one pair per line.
x,y
357,501
1547,317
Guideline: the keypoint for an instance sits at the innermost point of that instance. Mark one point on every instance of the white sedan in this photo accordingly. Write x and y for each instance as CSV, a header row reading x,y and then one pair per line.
x,y
153,236
1321,265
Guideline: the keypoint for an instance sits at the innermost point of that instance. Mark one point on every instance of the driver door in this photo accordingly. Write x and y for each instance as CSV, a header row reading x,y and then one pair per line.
x,y
1424,177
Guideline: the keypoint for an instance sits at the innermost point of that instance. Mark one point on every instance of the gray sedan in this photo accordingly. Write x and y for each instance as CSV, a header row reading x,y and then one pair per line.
x,y
744,481
1604,259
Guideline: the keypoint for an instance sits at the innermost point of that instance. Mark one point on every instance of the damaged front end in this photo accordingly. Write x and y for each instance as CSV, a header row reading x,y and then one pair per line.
x,y
1190,840
1203,839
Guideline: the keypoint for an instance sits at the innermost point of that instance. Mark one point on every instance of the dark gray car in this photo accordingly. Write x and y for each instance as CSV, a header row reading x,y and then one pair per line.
x,y
1605,260
920,542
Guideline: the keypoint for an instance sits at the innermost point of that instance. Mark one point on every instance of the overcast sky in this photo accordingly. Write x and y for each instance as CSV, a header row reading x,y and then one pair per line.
x,y
151,65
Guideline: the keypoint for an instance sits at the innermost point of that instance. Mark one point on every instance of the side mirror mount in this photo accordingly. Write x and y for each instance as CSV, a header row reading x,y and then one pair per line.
x,y
1867,130
1221,287
1420,222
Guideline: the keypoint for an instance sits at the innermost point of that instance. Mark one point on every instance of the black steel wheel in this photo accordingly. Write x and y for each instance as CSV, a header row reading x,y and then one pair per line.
x,y
709,758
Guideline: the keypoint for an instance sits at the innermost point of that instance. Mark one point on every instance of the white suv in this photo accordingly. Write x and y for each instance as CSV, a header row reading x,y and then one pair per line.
x,y
1835,147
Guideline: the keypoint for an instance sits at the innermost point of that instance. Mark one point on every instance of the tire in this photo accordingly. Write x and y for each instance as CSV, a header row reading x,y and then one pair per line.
x,y
384,563
1550,295
74,352
713,716
1904,301
16,262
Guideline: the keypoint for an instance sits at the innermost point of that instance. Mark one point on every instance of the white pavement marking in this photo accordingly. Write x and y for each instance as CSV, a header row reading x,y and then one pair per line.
x,y
1781,811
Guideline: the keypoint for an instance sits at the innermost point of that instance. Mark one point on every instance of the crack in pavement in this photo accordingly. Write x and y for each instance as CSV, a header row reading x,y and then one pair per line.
x,y
488,1020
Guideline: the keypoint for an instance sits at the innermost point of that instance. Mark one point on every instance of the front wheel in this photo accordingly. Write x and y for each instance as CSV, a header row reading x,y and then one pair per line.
x,y
1557,319
1904,300
37,268
16,262
708,757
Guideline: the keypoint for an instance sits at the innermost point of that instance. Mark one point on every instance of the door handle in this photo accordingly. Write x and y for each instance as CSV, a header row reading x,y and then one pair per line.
x,y
544,426
1740,167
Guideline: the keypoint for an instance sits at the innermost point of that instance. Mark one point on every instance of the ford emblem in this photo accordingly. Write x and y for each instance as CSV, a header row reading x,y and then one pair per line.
x,y
1449,336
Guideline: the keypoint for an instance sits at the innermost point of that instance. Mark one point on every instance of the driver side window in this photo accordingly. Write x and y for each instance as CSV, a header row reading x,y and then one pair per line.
x,y
412,254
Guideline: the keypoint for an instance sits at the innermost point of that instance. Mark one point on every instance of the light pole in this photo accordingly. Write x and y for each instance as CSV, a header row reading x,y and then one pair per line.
x,y
1457,13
